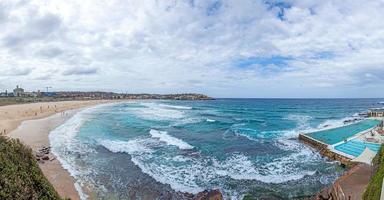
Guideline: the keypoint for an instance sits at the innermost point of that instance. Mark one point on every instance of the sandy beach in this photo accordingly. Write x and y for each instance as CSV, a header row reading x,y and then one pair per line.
x,y
32,123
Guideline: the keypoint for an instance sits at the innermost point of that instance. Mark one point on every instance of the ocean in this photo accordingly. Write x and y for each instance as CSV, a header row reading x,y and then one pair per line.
x,y
164,149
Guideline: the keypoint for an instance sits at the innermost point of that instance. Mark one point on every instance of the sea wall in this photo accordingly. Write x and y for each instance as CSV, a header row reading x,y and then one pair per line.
x,y
325,151
311,142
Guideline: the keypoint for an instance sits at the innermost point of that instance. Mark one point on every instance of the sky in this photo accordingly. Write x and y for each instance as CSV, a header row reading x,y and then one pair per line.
x,y
228,48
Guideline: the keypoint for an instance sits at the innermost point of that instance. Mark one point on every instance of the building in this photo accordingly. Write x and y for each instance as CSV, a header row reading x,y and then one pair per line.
x,y
18,92
377,112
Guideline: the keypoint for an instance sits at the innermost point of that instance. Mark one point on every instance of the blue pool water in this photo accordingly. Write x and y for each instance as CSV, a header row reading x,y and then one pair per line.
x,y
335,135
356,147
164,149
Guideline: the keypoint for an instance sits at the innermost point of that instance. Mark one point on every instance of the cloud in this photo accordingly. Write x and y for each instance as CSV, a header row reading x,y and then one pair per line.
x,y
233,48
18,71
31,26
43,77
80,71
50,52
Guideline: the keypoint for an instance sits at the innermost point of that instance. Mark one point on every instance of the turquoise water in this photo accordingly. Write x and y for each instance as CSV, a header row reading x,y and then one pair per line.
x,y
335,135
356,147
166,149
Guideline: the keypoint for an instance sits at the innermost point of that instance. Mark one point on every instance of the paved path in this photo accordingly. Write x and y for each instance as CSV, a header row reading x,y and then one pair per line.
x,y
354,183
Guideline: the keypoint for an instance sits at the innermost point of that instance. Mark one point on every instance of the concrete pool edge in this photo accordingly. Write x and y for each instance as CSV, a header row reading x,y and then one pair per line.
x,y
324,150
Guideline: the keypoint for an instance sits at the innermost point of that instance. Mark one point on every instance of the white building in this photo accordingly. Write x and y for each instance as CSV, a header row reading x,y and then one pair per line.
x,y
18,92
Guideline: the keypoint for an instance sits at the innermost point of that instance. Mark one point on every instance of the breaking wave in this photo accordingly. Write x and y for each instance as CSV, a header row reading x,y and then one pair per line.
x,y
170,140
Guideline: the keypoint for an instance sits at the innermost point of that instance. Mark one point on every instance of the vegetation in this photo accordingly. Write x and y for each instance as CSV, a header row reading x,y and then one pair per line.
x,y
10,101
373,190
20,175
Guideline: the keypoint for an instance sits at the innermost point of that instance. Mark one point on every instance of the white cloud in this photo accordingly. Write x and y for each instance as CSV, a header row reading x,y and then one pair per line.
x,y
191,46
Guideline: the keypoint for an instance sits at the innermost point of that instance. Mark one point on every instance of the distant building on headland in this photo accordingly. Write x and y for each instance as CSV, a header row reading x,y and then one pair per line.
x,y
377,112
18,92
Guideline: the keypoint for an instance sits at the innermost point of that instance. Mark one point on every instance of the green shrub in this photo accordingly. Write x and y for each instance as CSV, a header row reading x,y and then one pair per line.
x,y
20,175
373,190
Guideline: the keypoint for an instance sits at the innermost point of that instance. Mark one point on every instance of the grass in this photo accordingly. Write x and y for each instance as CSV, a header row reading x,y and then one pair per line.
x,y
373,190
20,175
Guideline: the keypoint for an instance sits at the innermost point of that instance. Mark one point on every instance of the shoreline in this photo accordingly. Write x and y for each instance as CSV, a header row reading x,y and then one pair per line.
x,y
32,124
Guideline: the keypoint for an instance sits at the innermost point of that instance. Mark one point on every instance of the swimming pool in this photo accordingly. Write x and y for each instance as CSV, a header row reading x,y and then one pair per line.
x,y
335,135
356,147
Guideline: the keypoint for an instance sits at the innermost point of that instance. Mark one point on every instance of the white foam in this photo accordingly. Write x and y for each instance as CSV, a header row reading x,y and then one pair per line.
x,y
156,112
63,142
301,120
170,140
211,120
327,124
130,147
280,170
184,121
176,107
180,177
193,174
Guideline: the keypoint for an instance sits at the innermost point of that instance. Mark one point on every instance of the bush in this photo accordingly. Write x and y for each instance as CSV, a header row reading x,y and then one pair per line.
x,y
373,190
20,175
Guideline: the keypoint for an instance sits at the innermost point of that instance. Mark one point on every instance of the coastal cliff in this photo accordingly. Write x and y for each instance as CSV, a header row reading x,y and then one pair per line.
x,y
20,175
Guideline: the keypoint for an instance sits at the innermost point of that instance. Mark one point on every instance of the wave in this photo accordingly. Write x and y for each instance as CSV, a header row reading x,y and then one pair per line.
x,y
157,112
135,146
185,121
193,174
334,123
301,120
64,144
176,107
210,120
280,170
161,168
170,140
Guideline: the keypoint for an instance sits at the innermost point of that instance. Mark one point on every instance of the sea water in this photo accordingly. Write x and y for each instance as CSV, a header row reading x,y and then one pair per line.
x,y
166,149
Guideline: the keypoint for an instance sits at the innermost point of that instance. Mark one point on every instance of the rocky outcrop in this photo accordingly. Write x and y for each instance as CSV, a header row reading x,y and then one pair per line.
x,y
43,154
209,195
324,194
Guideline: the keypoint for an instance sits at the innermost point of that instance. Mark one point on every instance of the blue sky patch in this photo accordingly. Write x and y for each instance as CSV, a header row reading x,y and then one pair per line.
x,y
262,61
280,6
324,55
214,8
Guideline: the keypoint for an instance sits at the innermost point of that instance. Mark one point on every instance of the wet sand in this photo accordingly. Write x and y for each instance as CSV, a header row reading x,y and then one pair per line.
x,y
32,123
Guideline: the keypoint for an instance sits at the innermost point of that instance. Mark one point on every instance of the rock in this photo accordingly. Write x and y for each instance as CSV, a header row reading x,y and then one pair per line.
x,y
44,150
324,194
38,155
209,195
45,158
